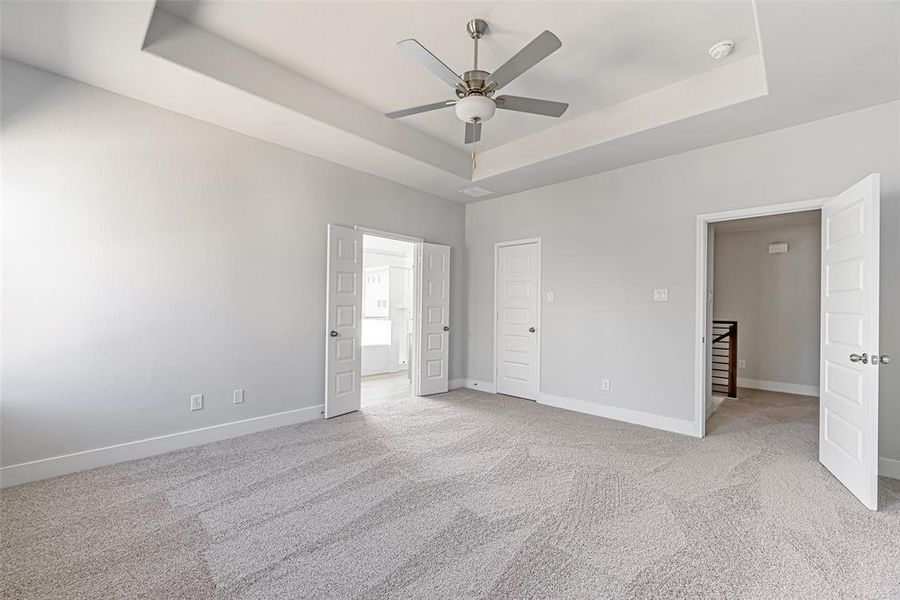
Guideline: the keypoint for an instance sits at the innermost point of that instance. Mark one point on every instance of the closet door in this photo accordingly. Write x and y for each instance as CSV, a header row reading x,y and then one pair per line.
x,y
434,339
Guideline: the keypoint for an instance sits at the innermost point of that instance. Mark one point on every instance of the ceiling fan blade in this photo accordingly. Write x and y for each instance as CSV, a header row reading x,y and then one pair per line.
x,y
531,105
473,132
419,109
537,50
431,62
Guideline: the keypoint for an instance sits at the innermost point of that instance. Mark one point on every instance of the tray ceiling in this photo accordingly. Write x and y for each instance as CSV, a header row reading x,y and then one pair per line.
x,y
350,47
317,76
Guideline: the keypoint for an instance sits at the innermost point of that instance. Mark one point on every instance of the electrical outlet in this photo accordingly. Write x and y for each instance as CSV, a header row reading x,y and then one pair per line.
x,y
742,364
604,385
197,402
238,396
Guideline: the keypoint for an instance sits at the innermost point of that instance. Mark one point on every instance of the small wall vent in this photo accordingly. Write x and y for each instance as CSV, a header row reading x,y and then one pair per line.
x,y
476,192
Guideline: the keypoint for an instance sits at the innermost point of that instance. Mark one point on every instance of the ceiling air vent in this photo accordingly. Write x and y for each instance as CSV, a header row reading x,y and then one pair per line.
x,y
476,192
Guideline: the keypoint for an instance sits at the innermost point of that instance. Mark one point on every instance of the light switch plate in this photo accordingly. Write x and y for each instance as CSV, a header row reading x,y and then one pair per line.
x,y
238,396
742,364
197,402
661,295
550,298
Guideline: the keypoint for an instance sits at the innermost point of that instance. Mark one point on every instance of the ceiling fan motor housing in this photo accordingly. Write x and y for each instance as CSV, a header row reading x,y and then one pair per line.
x,y
476,81
475,108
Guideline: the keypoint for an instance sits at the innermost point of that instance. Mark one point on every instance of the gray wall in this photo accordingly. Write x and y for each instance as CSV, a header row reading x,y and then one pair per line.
x,y
609,239
148,256
775,300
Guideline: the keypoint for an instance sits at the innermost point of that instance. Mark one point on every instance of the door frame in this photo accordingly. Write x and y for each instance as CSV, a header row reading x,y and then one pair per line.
x,y
700,296
540,291
417,290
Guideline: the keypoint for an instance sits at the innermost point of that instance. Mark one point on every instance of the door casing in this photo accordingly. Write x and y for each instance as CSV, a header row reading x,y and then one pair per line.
x,y
701,372
540,292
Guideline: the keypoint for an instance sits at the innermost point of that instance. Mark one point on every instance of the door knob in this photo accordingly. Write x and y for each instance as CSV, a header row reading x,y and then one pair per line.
x,y
333,333
863,358
884,359
446,328
531,329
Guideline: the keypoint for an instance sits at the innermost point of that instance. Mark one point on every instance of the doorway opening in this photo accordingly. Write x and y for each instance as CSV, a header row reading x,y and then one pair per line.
x,y
764,288
388,319
764,304
390,347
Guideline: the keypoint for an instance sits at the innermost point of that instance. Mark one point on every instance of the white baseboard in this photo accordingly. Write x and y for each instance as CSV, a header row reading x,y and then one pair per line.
x,y
473,384
620,414
888,467
99,457
714,403
778,386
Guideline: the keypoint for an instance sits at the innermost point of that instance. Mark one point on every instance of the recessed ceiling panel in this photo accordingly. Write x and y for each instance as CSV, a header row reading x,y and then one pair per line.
x,y
612,51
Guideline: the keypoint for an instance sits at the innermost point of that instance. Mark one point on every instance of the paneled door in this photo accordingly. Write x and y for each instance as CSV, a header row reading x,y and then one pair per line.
x,y
343,321
850,360
434,339
518,308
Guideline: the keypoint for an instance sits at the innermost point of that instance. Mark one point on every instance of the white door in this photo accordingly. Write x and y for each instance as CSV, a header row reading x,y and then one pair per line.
x,y
518,342
343,321
848,381
434,337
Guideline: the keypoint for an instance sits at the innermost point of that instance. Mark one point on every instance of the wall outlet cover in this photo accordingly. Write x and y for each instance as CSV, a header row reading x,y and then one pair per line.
x,y
742,364
604,385
197,402
238,396
661,295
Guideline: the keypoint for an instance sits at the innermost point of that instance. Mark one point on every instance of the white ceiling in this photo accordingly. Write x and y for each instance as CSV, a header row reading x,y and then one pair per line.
x,y
350,47
806,217
304,75
383,245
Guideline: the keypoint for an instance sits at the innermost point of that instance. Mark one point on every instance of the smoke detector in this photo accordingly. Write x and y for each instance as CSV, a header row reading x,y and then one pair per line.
x,y
721,49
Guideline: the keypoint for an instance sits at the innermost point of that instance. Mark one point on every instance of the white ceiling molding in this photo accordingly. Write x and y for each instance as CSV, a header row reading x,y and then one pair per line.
x,y
731,84
333,126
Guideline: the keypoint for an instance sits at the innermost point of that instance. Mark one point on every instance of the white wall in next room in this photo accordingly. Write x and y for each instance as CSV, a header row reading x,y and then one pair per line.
x,y
775,300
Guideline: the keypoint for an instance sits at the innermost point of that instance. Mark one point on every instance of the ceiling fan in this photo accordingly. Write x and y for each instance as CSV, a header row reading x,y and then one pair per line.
x,y
475,90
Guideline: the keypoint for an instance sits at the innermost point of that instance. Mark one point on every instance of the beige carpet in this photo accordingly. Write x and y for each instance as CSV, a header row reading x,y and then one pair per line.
x,y
464,495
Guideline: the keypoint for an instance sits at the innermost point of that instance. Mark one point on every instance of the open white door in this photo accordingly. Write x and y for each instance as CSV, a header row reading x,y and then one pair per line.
x,y
343,321
434,336
848,408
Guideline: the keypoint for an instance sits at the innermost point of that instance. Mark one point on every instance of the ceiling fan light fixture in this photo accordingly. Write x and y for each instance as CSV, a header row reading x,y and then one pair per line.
x,y
475,109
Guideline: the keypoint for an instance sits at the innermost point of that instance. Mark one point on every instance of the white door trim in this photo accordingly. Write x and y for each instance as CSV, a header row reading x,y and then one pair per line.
x,y
703,222
540,290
